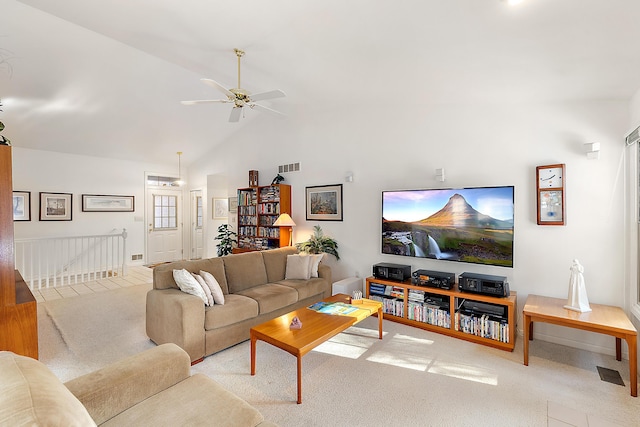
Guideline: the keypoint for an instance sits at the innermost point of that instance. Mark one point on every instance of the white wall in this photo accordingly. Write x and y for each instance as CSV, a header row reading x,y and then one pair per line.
x,y
44,171
388,147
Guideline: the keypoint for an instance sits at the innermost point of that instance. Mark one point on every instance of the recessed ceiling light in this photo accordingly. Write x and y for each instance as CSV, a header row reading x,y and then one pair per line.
x,y
511,2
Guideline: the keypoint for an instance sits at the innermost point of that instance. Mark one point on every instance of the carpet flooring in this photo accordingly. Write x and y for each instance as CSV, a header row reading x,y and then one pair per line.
x,y
410,377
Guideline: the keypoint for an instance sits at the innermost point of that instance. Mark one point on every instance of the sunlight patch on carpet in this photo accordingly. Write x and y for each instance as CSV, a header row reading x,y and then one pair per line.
x,y
352,343
464,372
405,351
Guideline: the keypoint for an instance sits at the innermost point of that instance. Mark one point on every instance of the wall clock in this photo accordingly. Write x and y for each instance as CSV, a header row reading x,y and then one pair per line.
x,y
550,191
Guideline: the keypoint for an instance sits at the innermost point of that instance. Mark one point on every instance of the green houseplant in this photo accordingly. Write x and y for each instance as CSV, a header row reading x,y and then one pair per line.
x,y
319,243
227,239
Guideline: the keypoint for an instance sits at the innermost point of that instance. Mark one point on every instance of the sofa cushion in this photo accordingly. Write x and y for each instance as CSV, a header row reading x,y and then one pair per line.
x,y
306,288
214,287
163,274
275,261
235,309
188,284
244,271
314,263
205,288
198,401
271,296
297,267
30,394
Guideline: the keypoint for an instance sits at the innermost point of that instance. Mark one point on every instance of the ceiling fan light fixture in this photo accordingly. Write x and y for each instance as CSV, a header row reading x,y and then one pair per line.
x,y
238,96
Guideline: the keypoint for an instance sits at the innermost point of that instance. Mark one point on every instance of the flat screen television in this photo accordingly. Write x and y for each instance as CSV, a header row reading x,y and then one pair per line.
x,y
473,225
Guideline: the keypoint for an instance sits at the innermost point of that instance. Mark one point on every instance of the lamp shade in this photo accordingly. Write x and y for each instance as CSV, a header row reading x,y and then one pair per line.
x,y
284,220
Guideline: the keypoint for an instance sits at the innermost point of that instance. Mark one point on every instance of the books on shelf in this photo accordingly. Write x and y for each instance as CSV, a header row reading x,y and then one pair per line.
x,y
269,208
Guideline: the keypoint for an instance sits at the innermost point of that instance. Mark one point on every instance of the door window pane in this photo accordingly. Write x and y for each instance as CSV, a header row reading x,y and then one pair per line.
x,y
165,213
198,211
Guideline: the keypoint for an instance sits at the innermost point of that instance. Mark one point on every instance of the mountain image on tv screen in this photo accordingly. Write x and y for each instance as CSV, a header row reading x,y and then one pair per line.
x,y
472,225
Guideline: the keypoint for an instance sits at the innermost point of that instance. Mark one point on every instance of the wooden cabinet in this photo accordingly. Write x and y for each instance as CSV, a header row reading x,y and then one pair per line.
x,y
18,307
482,319
258,209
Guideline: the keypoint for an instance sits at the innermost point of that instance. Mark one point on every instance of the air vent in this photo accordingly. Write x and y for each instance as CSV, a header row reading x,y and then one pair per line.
x,y
291,167
632,136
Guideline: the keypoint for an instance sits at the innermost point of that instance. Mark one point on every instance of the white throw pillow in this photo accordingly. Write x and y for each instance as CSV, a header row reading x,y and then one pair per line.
x,y
188,284
214,287
298,267
314,262
205,288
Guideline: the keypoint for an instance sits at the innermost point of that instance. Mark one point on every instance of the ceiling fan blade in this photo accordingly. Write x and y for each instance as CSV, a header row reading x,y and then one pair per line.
x,y
267,110
235,114
268,95
214,84
203,101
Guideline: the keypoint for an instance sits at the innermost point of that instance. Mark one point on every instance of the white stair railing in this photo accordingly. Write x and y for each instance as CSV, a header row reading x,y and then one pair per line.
x,y
60,261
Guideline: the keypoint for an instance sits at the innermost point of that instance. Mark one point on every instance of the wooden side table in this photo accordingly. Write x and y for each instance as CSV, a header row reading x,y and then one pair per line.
x,y
604,319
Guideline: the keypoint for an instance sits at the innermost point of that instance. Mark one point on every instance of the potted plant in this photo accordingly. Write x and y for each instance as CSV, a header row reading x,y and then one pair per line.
x,y
319,243
227,239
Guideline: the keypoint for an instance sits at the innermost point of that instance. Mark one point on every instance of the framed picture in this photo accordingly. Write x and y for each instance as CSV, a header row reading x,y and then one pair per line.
x,y
220,208
324,203
233,204
22,205
55,206
102,203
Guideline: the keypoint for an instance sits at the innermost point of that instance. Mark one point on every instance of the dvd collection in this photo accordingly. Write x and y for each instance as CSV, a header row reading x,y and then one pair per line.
x,y
430,314
253,243
482,326
270,194
391,306
421,308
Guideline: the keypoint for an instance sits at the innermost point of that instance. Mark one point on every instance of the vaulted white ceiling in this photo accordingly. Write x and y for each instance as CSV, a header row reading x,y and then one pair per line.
x,y
105,77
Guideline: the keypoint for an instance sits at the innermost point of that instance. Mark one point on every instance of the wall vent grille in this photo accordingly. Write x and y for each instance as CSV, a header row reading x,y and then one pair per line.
x,y
291,167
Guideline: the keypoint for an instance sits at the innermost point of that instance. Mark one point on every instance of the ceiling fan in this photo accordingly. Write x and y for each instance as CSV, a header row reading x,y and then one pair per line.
x,y
239,97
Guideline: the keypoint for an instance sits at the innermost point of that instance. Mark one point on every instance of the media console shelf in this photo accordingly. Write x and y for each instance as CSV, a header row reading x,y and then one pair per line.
x,y
443,311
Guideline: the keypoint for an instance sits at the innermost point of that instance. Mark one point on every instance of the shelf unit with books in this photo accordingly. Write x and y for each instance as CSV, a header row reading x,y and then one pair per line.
x,y
258,209
481,319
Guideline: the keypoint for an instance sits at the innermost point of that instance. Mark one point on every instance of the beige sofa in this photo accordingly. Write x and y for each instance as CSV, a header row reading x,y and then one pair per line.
x,y
255,290
153,388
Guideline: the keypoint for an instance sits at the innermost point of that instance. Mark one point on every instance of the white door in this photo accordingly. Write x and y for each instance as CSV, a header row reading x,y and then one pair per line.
x,y
164,225
197,220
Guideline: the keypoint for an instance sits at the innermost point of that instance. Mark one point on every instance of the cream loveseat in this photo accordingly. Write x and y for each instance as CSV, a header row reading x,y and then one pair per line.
x,y
152,388
255,290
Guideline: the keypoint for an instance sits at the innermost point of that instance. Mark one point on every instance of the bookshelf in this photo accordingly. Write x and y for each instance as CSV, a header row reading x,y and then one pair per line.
x,y
18,307
258,209
444,311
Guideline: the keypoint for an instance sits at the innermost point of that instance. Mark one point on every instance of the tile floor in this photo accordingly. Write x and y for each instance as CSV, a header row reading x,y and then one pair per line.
x,y
136,275
557,415
561,416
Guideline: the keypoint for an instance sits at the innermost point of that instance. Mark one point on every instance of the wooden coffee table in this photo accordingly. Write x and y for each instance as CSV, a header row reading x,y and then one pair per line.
x,y
316,329
604,319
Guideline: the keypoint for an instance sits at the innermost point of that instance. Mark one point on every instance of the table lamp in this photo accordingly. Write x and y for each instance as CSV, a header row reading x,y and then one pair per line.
x,y
284,220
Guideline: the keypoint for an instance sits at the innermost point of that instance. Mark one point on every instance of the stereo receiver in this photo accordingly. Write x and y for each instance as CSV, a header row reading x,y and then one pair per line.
x,y
496,286
399,272
433,279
